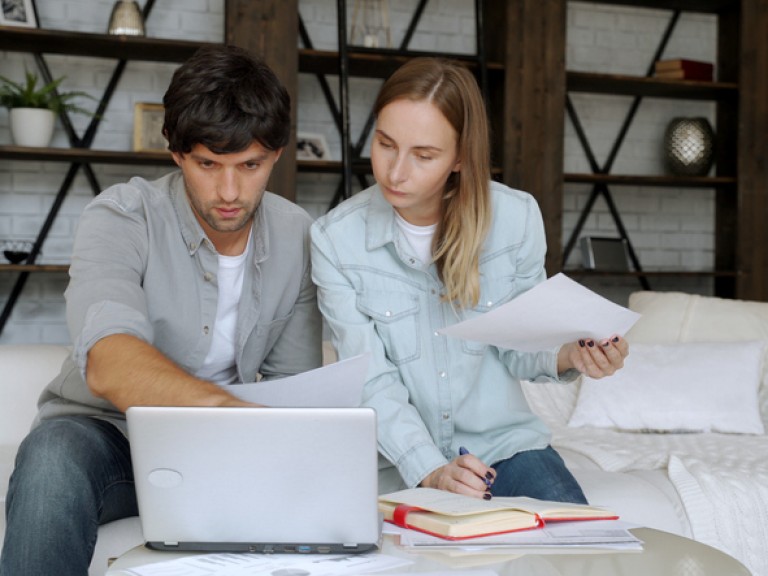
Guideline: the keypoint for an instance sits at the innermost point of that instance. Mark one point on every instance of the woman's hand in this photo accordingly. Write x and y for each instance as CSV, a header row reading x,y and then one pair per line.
x,y
464,475
595,358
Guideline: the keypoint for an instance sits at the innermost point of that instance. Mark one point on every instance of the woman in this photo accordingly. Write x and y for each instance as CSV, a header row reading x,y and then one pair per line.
x,y
432,243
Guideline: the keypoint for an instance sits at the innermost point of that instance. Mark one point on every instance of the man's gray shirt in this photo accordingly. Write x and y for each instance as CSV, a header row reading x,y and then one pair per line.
x,y
143,266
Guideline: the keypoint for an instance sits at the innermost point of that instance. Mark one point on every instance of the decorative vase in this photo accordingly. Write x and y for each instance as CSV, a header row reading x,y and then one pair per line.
x,y
32,126
126,19
689,145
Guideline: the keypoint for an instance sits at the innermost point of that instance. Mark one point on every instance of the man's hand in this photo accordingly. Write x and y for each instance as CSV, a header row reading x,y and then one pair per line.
x,y
464,475
595,358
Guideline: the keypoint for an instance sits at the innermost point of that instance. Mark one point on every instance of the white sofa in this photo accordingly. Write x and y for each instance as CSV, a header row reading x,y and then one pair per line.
x,y
660,480
709,484
26,369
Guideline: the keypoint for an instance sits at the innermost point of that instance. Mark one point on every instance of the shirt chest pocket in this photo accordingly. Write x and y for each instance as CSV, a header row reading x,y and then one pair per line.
x,y
493,293
395,319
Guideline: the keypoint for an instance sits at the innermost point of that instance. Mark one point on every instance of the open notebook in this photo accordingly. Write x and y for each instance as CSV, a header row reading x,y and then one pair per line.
x,y
256,479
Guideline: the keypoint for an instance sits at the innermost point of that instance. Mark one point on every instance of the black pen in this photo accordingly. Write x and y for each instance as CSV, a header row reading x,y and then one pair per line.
x,y
462,452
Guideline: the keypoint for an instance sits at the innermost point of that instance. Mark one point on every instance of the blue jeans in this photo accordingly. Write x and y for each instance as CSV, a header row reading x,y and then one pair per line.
x,y
537,474
72,474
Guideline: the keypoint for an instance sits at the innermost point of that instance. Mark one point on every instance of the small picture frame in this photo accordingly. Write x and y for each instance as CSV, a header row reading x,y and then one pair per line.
x,y
148,127
312,147
608,254
22,13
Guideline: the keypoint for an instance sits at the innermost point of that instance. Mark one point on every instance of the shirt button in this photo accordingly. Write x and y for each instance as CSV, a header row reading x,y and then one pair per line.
x,y
446,416
192,245
443,374
387,313
489,303
436,333
207,276
205,330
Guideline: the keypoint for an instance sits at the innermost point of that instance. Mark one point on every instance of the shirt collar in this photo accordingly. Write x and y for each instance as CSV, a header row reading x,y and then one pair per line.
x,y
380,221
193,233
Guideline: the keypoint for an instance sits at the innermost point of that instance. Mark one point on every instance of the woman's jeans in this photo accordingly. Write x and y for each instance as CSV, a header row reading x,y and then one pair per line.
x,y
537,474
72,474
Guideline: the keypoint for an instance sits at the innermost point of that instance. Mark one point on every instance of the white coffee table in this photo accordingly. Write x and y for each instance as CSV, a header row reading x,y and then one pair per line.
x,y
663,554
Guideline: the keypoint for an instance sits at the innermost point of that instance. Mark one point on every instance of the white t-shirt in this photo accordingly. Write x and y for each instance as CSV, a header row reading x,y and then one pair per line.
x,y
219,364
419,237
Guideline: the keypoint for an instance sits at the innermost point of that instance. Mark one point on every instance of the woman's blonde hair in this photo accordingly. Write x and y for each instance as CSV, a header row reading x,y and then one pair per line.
x,y
465,215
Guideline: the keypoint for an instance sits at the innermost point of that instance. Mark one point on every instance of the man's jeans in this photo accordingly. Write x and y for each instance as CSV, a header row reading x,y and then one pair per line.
x,y
537,474
72,474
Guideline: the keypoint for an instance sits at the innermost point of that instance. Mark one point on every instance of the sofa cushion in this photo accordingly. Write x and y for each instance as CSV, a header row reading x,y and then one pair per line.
x,y
678,317
690,386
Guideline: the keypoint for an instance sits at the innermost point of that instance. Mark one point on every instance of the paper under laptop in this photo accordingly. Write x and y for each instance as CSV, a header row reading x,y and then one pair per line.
x,y
256,479
335,385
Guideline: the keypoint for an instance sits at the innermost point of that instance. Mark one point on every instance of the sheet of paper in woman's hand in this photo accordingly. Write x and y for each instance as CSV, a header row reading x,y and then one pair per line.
x,y
550,314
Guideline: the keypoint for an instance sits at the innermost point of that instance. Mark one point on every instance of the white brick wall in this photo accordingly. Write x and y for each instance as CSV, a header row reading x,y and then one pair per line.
x,y
669,228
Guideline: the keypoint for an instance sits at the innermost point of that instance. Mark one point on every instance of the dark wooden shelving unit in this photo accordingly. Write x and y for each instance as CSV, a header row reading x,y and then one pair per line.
x,y
87,44
655,181
34,267
86,155
621,85
529,38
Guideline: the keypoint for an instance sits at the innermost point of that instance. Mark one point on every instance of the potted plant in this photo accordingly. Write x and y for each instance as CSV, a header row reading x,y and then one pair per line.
x,y
33,110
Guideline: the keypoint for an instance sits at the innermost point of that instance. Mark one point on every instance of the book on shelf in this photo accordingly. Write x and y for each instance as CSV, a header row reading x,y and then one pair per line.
x,y
683,68
455,516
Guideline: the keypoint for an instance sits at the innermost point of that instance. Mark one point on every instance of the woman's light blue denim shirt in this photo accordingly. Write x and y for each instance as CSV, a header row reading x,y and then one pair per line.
x,y
432,393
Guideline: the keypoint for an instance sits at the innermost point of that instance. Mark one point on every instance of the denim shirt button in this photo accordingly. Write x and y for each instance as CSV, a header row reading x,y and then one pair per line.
x,y
205,329
436,333
489,303
388,313
207,276
443,374
446,416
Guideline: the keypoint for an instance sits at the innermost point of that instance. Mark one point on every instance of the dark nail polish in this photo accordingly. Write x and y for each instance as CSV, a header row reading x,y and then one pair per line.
x,y
591,343
615,338
488,476
605,344
486,496
581,343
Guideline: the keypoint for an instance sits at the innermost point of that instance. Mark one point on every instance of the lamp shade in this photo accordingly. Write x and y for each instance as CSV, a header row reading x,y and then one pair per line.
x,y
126,19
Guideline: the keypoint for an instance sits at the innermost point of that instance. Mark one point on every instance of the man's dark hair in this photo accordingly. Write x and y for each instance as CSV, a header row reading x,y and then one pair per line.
x,y
225,98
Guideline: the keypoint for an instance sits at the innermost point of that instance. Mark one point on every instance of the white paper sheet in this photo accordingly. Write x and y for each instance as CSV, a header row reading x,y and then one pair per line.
x,y
270,565
605,534
550,314
337,385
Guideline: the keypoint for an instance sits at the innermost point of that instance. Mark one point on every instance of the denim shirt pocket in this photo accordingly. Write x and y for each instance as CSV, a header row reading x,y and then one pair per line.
x,y
493,293
395,316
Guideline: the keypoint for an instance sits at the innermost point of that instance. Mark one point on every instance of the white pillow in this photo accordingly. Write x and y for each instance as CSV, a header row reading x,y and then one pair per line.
x,y
693,387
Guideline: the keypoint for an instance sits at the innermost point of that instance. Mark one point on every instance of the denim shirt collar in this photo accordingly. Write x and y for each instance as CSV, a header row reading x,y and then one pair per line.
x,y
193,234
380,229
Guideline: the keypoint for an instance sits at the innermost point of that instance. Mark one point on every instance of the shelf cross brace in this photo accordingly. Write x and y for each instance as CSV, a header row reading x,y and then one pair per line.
x,y
77,142
601,188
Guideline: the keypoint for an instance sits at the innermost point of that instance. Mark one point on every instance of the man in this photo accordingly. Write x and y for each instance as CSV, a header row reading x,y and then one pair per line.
x,y
179,288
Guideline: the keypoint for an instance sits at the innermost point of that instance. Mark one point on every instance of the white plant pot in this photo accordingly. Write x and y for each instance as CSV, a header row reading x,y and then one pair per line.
x,y
32,126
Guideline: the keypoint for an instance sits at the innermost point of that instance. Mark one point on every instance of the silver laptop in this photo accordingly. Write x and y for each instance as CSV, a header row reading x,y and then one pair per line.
x,y
267,480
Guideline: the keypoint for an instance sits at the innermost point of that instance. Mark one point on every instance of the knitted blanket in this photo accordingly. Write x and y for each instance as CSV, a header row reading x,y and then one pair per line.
x,y
722,480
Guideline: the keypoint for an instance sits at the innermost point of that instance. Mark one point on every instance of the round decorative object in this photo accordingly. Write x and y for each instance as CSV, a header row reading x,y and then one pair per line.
x,y
689,145
16,251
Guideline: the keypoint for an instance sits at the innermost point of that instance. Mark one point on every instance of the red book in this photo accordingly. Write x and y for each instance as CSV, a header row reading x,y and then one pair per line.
x,y
455,517
684,68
